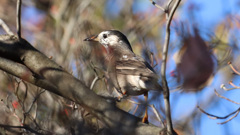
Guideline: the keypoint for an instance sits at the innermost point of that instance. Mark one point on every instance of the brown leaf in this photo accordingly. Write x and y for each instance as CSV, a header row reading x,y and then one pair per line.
x,y
195,64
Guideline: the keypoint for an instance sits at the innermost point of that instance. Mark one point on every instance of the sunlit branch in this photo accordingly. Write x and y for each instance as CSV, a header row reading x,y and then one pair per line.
x,y
157,114
169,3
163,69
94,82
5,27
234,70
135,110
226,89
225,98
234,86
158,6
169,16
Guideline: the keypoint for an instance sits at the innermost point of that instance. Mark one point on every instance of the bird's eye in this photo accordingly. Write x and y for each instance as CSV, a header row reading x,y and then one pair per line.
x,y
104,35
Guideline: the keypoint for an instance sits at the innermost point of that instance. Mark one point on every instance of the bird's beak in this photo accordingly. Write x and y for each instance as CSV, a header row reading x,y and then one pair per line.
x,y
92,38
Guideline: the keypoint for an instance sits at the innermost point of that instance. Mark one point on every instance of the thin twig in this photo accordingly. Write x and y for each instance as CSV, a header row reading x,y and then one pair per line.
x,y
94,82
16,93
153,58
225,98
137,103
5,27
234,70
153,108
135,110
19,3
25,94
33,102
214,116
157,115
235,86
236,114
224,117
226,89
169,3
158,6
163,69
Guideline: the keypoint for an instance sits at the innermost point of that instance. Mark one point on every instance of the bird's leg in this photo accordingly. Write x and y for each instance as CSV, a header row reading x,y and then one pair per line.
x,y
145,118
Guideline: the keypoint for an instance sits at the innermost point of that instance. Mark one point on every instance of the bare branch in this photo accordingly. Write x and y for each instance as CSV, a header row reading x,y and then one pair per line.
x,y
226,89
169,3
163,69
19,3
169,17
93,82
236,114
137,103
218,117
5,27
153,108
234,86
234,70
158,6
225,98
33,102
157,115
134,112
152,59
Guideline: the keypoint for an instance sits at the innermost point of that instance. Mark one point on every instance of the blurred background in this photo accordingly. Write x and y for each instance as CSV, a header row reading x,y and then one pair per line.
x,y
205,36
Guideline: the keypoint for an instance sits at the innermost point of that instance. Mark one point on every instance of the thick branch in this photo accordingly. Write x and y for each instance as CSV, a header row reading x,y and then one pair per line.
x,y
23,72
68,86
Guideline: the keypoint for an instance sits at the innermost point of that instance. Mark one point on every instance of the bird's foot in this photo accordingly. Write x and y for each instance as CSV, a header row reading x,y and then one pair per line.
x,y
145,120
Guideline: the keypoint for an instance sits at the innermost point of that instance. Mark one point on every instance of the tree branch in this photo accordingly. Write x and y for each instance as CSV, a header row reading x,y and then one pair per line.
x,y
225,98
158,6
5,27
24,73
163,68
234,69
224,117
23,127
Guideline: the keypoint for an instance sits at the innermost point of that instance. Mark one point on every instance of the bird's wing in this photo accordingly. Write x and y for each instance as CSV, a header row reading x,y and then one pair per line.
x,y
135,66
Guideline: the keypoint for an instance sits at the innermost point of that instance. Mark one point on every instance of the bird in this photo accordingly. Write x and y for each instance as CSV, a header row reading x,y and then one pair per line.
x,y
129,74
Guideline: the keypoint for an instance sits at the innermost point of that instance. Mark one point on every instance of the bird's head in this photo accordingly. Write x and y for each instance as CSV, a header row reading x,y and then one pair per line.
x,y
111,39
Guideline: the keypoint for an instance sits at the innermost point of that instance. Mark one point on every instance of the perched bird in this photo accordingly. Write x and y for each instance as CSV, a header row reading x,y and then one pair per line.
x,y
128,73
